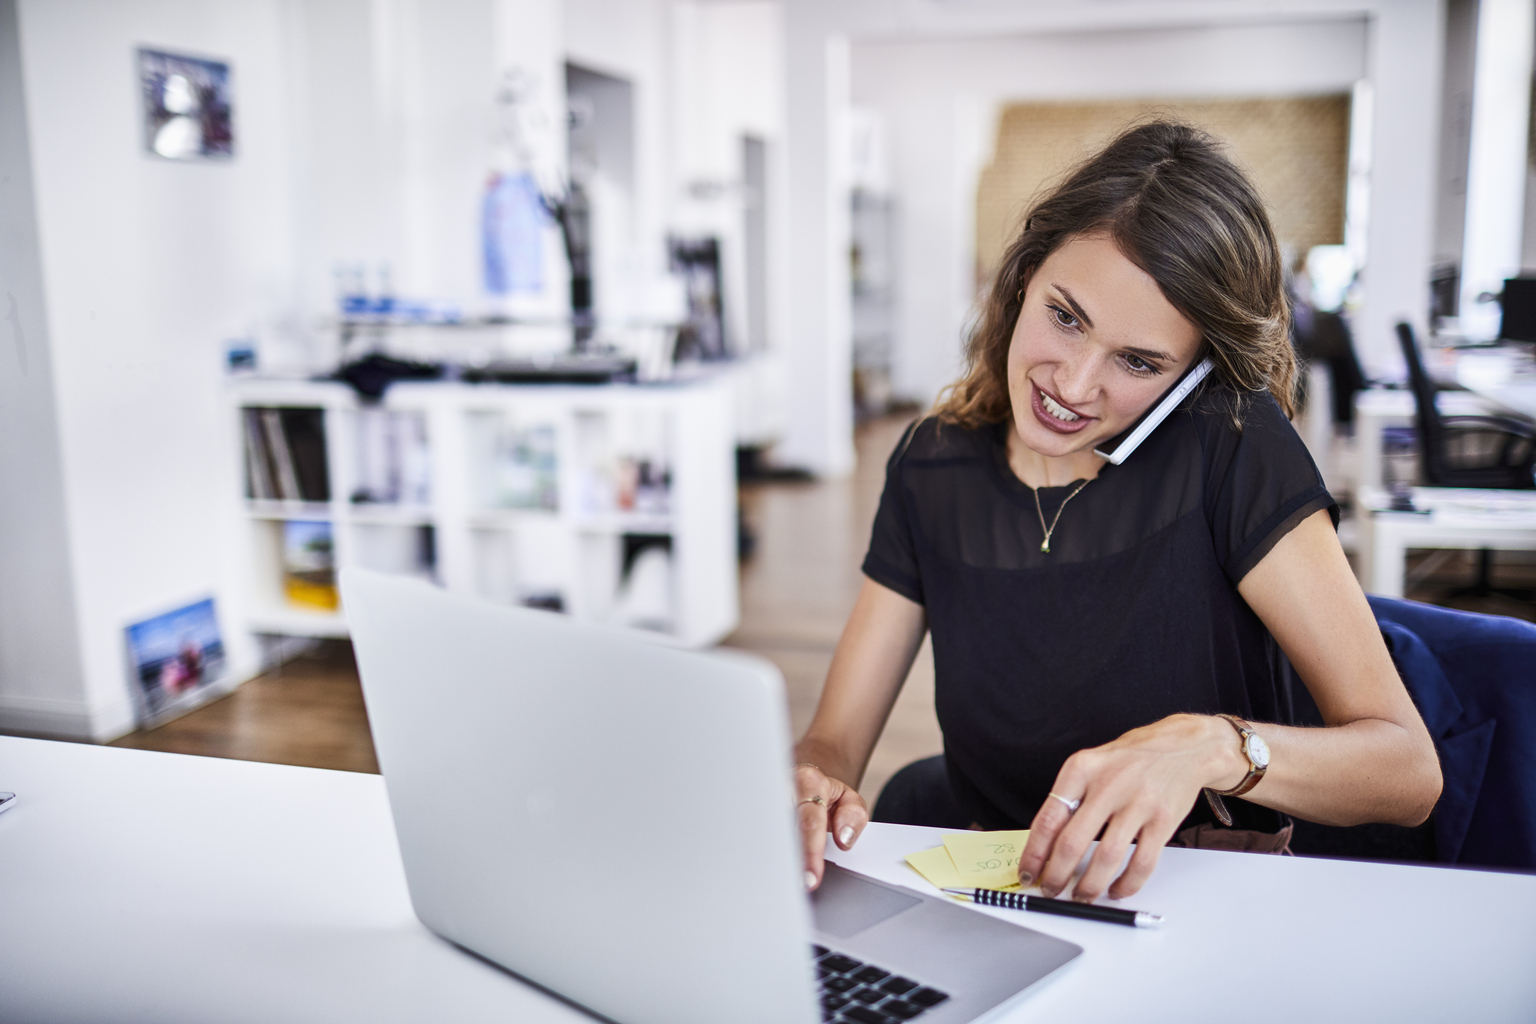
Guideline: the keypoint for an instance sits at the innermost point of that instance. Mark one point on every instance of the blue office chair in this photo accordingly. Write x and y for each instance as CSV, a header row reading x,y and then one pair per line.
x,y
1473,678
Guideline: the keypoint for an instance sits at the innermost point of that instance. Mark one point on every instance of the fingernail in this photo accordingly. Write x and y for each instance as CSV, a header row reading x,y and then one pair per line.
x,y
1048,892
810,880
1080,898
846,835
1025,878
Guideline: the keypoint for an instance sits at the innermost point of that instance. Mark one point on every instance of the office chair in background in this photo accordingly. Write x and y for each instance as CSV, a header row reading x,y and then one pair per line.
x,y
1468,451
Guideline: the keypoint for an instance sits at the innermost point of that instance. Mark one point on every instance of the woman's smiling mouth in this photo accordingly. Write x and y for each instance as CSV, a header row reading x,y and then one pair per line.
x,y
1053,415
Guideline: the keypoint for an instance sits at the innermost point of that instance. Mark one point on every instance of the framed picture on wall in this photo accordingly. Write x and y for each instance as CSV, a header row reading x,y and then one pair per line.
x,y
186,106
176,662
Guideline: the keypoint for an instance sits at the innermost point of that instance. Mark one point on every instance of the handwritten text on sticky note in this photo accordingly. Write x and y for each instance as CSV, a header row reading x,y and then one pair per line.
x,y
987,860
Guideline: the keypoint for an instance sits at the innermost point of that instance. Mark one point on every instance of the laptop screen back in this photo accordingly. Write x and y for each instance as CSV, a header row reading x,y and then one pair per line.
x,y
610,819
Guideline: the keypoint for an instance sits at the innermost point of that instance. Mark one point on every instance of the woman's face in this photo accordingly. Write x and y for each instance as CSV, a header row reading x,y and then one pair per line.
x,y
1094,346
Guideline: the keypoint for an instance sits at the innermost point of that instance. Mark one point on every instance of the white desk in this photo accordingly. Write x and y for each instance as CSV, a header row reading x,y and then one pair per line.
x,y
1467,518
1504,375
137,886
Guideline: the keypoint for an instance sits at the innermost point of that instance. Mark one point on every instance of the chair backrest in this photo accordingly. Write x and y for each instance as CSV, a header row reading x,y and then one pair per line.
x,y
1473,679
1426,416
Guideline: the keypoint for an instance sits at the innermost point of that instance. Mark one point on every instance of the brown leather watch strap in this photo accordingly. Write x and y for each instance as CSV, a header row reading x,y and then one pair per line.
x,y
1255,771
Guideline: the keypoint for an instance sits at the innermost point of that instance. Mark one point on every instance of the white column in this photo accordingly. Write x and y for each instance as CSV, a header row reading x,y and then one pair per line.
x,y
42,679
1496,164
818,342
1405,54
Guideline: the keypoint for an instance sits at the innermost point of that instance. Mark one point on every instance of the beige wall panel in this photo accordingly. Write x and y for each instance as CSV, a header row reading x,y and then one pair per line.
x,y
1295,149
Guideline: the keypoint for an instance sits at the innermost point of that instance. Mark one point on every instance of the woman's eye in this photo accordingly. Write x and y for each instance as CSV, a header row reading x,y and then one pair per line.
x,y
1136,364
1063,318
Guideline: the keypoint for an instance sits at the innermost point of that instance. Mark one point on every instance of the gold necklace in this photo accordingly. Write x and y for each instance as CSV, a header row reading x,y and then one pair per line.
x,y
1045,545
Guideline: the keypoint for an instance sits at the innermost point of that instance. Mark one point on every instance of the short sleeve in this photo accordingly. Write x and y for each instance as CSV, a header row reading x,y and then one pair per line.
x,y
892,558
1260,482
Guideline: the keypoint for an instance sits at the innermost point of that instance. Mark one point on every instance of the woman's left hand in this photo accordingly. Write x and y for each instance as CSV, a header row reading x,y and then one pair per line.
x,y
1137,787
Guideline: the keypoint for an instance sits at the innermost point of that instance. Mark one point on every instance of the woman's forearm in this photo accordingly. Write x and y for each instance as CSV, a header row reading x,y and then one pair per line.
x,y
835,763
871,662
1375,761
1366,771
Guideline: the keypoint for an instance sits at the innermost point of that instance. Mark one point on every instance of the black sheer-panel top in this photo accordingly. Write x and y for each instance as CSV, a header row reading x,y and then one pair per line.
x,y
1131,616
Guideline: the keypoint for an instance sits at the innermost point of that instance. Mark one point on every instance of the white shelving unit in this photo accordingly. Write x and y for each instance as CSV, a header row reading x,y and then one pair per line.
x,y
461,525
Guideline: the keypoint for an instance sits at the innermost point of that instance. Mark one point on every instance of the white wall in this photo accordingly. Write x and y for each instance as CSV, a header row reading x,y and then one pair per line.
x,y
728,81
1455,129
395,133
42,680
148,266
1033,49
629,39
1497,160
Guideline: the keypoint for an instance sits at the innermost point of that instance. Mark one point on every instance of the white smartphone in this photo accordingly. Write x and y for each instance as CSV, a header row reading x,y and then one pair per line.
x,y
6,799
1118,448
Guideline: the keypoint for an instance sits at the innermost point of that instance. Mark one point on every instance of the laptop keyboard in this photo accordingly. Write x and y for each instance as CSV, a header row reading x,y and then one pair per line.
x,y
855,992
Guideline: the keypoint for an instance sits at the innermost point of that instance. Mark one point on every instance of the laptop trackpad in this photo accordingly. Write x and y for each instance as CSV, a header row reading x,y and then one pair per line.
x,y
846,904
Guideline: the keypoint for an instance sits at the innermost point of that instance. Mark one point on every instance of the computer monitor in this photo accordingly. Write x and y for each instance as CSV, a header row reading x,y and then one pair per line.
x,y
1519,302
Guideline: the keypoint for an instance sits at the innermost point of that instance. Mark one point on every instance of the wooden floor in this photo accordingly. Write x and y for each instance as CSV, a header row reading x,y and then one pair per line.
x,y
796,593
308,711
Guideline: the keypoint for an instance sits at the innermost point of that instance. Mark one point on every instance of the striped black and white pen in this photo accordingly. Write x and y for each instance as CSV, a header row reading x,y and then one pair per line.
x,y
1066,908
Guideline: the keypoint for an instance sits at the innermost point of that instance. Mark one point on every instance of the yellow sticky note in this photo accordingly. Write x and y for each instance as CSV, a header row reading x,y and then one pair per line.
x,y
987,860
936,866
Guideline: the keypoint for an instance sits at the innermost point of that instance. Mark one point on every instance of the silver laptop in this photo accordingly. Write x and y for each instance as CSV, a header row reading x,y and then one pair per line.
x,y
612,819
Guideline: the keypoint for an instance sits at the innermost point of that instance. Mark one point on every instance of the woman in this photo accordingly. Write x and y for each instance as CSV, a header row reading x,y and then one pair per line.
x,y
1091,621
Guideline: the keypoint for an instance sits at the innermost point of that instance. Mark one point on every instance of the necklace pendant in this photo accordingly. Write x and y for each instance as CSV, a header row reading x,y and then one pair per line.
x,y
1045,545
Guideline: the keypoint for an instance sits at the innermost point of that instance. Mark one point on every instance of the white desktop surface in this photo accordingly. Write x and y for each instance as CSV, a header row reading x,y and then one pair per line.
x,y
138,886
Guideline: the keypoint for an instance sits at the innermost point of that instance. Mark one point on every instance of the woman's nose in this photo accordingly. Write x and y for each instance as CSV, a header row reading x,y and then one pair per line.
x,y
1077,381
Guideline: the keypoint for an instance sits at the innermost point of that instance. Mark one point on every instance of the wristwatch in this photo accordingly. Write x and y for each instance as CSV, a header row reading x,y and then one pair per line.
x,y
1257,753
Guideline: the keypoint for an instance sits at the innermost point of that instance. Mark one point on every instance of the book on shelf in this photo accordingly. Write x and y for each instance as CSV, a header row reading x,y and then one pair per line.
x,y
285,455
309,565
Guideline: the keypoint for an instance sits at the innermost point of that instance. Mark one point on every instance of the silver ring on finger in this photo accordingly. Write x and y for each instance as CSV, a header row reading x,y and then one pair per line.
x,y
1070,804
817,800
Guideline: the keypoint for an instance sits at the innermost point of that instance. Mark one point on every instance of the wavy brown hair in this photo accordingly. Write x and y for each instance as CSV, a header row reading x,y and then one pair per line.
x,y
1179,209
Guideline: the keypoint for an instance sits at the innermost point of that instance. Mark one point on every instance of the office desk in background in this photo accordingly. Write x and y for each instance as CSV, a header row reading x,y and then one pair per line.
x,y
1504,375
139,887
1498,381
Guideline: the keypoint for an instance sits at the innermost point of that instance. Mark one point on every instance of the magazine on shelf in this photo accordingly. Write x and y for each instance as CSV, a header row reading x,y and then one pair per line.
x,y
309,565
176,662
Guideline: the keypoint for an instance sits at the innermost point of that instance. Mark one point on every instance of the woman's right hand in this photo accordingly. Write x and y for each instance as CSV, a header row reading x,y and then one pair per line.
x,y
823,804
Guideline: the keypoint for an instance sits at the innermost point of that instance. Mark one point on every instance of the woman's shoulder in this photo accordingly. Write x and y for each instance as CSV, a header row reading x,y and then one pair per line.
x,y
930,440
1223,416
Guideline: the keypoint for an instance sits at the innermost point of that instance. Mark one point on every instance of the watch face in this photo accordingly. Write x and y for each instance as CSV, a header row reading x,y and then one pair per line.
x,y
1258,750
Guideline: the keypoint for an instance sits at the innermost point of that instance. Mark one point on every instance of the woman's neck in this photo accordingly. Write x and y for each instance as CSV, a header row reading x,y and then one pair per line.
x,y
1038,470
